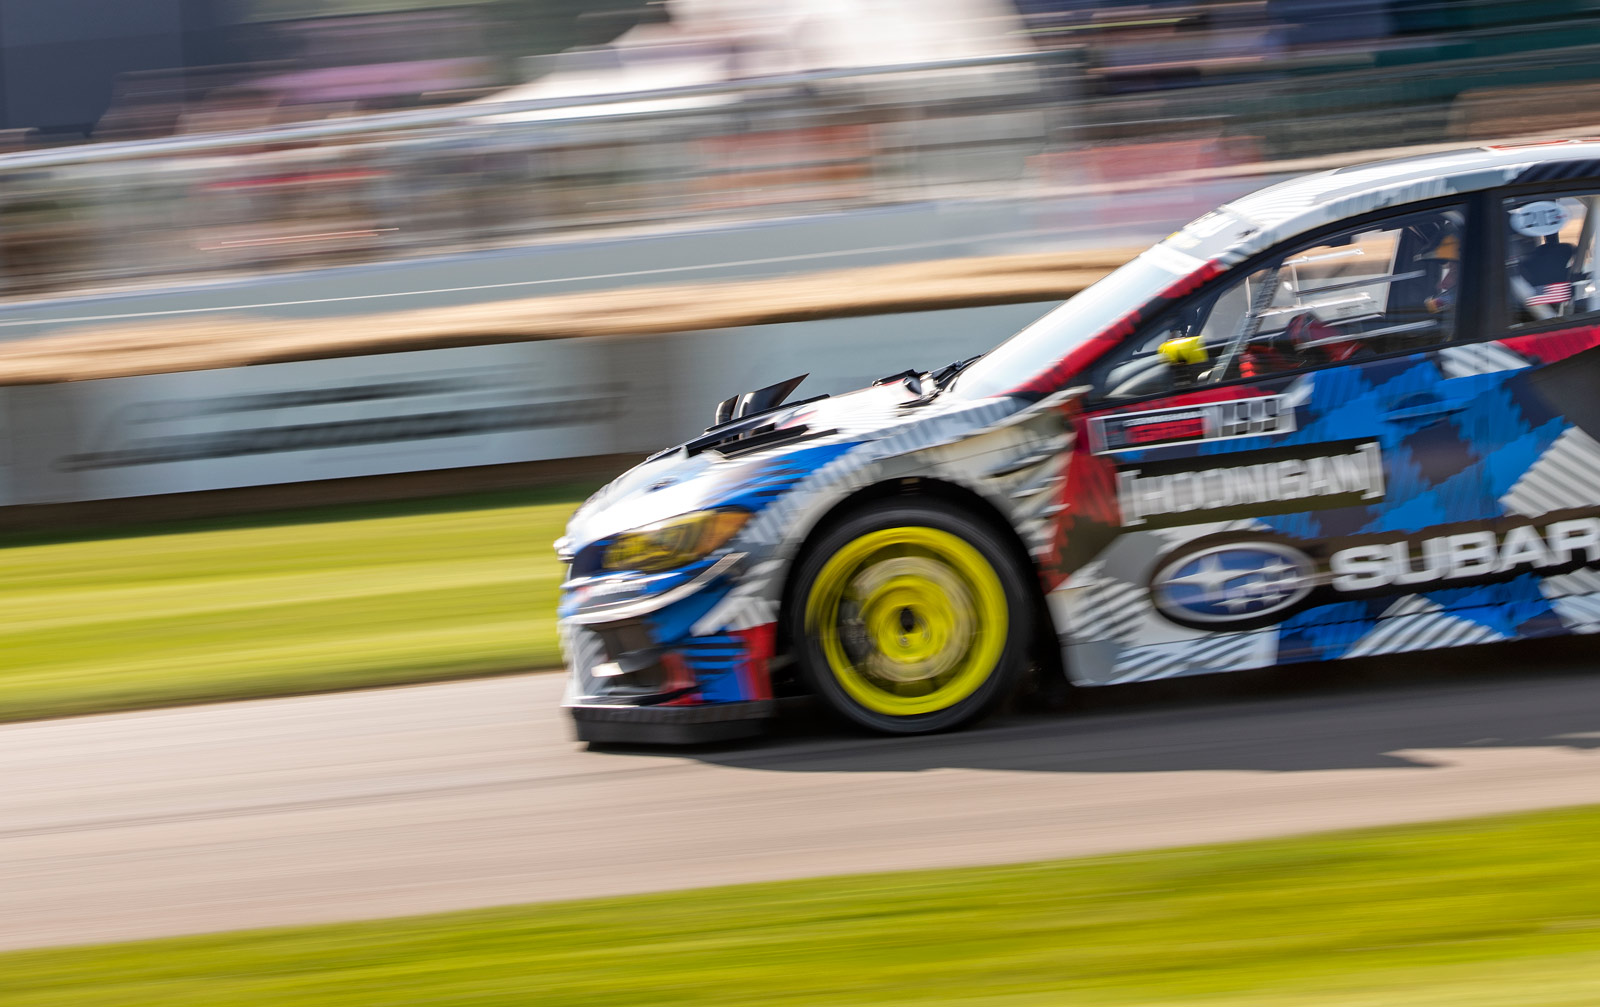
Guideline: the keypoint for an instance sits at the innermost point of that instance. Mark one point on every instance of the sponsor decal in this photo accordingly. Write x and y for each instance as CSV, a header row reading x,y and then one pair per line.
x,y
1474,555
1248,581
1265,482
1207,421
393,412
1240,581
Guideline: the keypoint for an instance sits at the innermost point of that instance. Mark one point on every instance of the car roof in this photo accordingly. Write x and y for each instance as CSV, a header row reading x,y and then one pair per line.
x,y
1289,208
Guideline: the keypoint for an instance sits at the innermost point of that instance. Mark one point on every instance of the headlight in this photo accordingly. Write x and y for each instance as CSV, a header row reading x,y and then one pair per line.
x,y
673,542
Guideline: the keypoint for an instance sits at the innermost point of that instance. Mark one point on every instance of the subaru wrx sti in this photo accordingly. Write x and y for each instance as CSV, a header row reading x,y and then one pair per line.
x,y
1356,413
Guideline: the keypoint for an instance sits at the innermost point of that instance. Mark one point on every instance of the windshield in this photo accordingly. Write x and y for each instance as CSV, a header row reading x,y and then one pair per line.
x,y
1041,344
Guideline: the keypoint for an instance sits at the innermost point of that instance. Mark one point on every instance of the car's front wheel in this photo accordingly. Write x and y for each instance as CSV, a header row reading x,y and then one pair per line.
x,y
911,618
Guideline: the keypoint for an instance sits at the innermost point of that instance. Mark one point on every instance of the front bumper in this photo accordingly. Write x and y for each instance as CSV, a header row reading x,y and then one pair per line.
x,y
666,659
671,725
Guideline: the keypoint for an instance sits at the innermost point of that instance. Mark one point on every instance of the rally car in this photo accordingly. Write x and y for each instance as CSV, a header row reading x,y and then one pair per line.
x,y
1356,413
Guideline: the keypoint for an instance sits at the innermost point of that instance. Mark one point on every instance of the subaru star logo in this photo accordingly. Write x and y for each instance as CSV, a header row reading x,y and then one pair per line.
x,y
1232,583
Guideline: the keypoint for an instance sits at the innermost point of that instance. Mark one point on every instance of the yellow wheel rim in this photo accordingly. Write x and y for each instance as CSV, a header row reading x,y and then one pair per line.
x,y
911,620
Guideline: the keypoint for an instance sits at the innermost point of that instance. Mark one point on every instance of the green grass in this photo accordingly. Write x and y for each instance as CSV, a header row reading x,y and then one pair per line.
x,y
1484,913
325,599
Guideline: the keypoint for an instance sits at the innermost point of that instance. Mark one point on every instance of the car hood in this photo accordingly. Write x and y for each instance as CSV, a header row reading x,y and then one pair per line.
x,y
693,477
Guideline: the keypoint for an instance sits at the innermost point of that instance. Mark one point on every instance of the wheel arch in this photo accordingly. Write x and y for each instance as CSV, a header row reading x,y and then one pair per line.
x,y
1045,648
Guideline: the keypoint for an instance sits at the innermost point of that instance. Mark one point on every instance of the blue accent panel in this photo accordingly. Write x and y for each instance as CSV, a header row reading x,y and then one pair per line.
x,y
1531,408
1464,497
1418,508
1502,607
1349,401
1301,526
715,661
1489,417
672,623
1463,597
1513,460
1393,375
755,489
1547,623
1324,632
723,688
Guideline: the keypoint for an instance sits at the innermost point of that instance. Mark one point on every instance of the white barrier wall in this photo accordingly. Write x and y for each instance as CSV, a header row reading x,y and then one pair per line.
x,y
441,409
9,444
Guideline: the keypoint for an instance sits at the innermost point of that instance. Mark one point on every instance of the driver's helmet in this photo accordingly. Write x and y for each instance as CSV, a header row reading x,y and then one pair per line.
x,y
1446,248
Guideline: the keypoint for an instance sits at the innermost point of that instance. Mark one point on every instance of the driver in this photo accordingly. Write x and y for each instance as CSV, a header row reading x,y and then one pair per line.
x,y
1446,250
1306,341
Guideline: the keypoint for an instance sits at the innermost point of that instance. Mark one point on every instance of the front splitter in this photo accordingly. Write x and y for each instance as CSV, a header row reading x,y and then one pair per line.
x,y
671,725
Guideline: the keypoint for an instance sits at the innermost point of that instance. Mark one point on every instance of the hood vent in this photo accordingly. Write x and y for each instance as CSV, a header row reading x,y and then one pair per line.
x,y
762,400
732,441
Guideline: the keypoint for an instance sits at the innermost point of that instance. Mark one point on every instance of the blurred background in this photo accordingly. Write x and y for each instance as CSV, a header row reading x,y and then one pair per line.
x,y
318,319
172,141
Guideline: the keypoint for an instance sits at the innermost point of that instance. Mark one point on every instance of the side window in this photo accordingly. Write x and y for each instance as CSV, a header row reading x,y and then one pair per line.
x,y
1385,288
1550,257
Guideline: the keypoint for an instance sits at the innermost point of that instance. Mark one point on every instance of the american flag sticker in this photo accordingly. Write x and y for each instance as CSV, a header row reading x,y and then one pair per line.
x,y
1552,293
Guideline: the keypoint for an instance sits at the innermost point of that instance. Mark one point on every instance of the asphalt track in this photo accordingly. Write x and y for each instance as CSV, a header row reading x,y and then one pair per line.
x,y
410,800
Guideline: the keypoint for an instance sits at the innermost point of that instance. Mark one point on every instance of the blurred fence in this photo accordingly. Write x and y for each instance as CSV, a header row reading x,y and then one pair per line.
x,y
484,175
442,180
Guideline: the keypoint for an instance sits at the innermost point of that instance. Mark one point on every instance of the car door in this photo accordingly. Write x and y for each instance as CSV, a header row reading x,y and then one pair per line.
x,y
1252,469
1544,366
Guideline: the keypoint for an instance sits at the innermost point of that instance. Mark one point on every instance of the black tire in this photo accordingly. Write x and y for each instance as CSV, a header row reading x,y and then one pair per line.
x,y
1003,675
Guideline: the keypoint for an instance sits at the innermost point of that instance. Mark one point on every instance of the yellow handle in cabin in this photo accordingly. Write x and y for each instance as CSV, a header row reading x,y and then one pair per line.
x,y
1185,350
